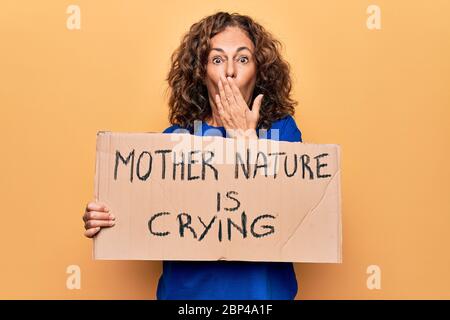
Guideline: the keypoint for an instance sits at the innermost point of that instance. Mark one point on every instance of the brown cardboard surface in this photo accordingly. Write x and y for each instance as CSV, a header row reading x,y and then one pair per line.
x,y
276,217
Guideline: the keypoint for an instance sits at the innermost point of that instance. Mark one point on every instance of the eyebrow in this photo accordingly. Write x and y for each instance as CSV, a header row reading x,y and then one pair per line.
x,y
238,49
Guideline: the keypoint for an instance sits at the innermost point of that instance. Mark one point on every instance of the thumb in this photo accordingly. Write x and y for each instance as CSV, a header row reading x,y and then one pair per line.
x,y
257,104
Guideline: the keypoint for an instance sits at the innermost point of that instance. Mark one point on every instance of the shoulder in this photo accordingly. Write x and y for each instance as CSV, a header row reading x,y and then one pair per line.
x,y
287,129
285,122
175,129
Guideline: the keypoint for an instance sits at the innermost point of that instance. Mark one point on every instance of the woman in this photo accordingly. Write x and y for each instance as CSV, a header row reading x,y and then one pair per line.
x,y
228,73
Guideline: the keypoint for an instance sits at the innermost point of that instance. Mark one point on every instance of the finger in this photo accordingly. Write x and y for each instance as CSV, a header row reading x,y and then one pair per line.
x,y
257,104
97,206
97,215
229,93
91,232
222,114
218,104
237,93
223,97
98,223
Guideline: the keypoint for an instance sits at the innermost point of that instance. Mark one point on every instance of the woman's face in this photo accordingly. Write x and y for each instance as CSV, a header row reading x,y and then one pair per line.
x,y
231,55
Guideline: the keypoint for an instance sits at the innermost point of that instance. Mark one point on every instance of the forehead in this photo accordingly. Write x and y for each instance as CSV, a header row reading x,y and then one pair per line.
x,y
231,38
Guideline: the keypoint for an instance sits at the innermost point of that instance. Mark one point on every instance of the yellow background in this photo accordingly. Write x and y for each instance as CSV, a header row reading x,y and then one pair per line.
x,y
383,95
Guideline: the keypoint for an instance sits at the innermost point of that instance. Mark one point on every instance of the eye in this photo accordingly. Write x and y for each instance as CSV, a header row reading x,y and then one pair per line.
x,y
243,59
216,59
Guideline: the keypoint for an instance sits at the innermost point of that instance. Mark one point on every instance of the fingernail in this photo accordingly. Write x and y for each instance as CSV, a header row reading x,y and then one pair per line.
x,y
106,209
112,223
111,216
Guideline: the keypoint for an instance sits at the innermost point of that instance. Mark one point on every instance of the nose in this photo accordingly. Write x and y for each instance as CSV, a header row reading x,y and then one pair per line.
x,y
230,69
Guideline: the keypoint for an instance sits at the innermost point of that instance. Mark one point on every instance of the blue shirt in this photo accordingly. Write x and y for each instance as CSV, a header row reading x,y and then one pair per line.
x,y
227,280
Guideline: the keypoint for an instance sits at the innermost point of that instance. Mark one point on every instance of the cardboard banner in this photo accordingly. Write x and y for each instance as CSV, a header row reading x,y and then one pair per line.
x,y
185,197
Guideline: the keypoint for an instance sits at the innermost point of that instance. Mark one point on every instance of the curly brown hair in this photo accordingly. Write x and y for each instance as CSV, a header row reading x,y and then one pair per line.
x,y
188,99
